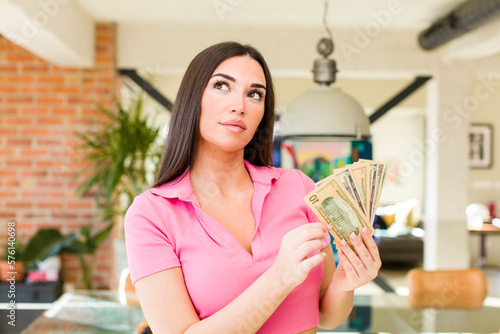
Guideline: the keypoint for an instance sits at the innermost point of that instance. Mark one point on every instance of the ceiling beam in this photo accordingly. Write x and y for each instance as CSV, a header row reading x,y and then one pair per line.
x,y
466,17
403,94
55,30
148,88
478,44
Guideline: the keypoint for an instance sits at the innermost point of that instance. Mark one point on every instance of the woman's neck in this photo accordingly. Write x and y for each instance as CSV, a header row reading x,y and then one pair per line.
x,y
218,174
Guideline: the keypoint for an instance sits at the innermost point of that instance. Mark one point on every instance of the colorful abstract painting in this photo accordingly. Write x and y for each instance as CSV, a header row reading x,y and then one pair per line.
x,y
317,159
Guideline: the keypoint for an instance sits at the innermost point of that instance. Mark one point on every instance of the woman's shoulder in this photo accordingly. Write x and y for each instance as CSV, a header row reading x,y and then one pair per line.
x,y
156,195
163,197
293,172
143,202
150,209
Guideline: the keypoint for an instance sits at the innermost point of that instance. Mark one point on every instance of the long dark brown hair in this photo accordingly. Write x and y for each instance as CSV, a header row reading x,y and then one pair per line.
x,y
183,134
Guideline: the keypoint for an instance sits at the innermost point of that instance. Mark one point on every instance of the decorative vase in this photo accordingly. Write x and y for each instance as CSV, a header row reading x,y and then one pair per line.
x,y
6,272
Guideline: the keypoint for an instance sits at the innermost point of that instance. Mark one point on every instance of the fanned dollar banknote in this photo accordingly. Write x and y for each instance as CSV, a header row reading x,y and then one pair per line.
x,y
347,199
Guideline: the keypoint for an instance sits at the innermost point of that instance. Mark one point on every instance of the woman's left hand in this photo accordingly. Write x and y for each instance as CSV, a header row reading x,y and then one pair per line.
x,y
355,270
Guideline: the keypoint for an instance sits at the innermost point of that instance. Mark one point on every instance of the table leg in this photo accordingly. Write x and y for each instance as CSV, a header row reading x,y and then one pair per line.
x,y
381,281
482,250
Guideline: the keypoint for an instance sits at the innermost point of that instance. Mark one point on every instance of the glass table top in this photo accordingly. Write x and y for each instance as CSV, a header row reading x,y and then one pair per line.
x,y
101,312
87,312
392,313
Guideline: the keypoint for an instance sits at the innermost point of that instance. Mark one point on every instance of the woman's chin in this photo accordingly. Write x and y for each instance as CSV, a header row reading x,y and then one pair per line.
x,y
227,145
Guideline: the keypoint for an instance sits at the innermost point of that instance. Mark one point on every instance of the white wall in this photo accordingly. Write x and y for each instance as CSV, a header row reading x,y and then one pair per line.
x,y
397,139
485,183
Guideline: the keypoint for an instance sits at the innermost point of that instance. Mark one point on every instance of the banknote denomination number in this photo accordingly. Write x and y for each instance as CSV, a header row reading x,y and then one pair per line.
x,y
314,199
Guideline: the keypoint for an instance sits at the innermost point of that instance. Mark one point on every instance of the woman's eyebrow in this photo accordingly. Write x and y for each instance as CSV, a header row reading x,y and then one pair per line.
x,y
225,76
230,78
257,85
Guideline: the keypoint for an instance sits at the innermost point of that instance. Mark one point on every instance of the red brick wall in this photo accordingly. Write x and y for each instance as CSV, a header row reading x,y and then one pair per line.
x,y
41,107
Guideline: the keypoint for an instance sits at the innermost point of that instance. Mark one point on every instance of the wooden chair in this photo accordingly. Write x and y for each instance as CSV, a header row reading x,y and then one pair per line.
x,y
458,289
127,293
128,296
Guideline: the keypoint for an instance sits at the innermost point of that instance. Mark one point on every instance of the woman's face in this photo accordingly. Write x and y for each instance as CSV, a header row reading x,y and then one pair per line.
x,y
232,104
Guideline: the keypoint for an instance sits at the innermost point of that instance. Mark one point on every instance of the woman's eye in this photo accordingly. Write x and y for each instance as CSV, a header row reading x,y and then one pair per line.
x,y
221,85
255,95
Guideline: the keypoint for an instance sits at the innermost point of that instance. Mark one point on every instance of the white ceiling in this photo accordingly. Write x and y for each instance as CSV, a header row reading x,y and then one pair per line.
x,y
154,32
406,14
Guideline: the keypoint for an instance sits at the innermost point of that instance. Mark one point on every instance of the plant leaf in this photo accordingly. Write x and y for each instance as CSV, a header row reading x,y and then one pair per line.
x,y
45,243
102,235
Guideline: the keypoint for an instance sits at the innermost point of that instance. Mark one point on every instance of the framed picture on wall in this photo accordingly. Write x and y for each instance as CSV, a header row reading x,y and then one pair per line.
x,y
480,146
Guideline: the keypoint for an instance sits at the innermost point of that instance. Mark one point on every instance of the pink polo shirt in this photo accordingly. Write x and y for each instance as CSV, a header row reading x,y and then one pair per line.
x,y
165,228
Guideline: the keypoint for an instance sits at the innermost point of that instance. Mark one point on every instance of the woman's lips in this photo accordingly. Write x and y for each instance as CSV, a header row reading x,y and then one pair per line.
x,y
234,126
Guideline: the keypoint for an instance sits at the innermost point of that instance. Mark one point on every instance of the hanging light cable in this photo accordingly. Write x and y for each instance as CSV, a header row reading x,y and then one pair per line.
x,y
325,111
327,33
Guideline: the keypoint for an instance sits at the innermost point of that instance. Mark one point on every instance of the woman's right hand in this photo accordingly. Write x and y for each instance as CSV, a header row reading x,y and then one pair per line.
x,y
292,264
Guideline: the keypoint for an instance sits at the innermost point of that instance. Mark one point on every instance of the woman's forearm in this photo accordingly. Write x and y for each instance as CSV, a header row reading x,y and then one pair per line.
x,y
249,311
335,307
356,268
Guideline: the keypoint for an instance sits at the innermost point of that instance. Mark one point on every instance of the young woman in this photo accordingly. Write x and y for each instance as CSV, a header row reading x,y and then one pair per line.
x,y
224,243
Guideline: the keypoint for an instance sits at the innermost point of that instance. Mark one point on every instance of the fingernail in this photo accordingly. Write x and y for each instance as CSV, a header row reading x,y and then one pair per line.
x,y
353,236
364,230
343,242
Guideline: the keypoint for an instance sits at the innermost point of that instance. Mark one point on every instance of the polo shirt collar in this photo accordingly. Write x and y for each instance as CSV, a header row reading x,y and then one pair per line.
x,y
262,174
181,186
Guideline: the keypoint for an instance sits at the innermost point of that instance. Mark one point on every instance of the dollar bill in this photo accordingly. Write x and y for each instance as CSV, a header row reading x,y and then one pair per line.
x,y
381,173
317,184
334,205
373,187
347,178
360,172
347,199
378,171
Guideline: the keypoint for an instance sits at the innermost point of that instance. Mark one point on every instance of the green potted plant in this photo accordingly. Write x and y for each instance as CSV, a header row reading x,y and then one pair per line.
x,y
120,158
50,242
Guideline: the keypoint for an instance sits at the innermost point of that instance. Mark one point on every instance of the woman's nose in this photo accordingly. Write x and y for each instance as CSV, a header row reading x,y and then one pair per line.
x,y
238,104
